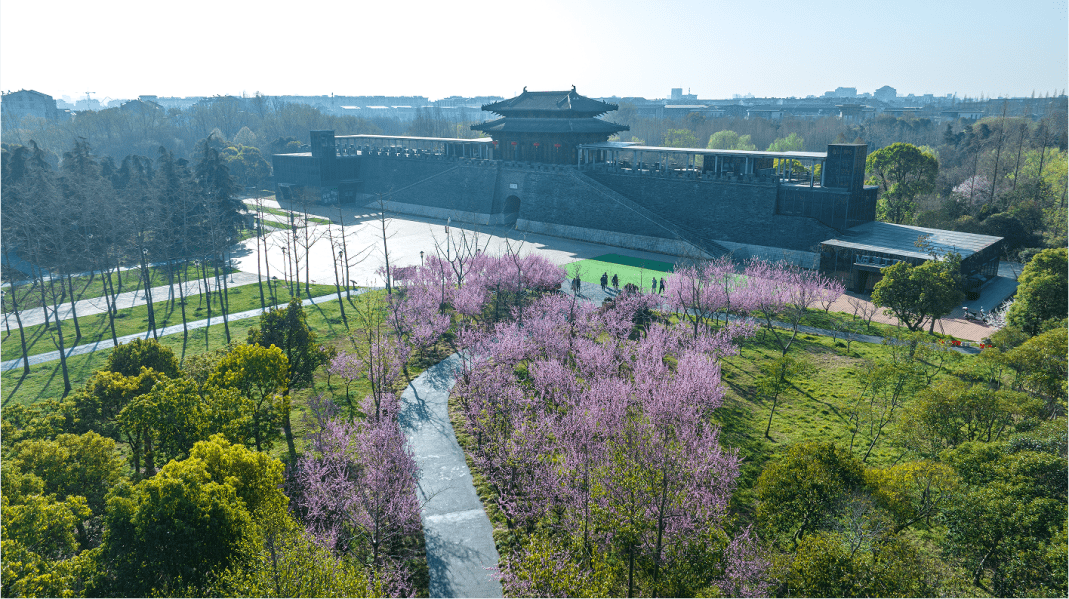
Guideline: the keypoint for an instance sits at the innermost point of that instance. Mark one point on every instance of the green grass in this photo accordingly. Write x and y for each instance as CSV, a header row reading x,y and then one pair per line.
x,y
92,286
630,270
286,213
640,263
129,321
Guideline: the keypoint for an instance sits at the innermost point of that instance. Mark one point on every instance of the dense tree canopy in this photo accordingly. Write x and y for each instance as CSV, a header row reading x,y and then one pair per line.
x,y
914,294
1042,291
904,172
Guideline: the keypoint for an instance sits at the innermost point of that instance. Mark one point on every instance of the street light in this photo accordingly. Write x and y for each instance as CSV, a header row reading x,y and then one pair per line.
x,y
286,261
421,257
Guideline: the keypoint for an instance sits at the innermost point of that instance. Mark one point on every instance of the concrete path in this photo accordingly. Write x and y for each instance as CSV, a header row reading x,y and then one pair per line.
x,y
171,330
126,299
461,554
954,323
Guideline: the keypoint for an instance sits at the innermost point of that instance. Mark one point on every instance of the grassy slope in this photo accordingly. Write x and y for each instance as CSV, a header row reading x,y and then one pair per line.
x,y
87,287
815,408
129,321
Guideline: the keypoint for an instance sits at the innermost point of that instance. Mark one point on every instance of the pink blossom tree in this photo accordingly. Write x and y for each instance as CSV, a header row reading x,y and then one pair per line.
x,y
356,490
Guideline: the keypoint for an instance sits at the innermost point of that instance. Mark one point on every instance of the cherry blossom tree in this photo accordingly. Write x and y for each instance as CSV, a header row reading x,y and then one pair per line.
x,y
357,491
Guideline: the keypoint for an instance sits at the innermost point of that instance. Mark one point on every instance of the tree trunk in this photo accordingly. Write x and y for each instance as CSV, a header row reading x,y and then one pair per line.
x,y
307,251
150,459
109,303
206,295
775,400
18,319
44,296
182,297
60,346
296,284
259,276
74,311
222,302
345,251
385,249
148,296
337,285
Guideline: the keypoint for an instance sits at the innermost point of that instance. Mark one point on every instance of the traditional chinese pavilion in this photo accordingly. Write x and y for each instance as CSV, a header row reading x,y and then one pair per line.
x,y
547,126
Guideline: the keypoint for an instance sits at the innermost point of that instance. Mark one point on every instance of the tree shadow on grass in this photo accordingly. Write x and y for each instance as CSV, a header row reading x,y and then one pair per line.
x,y
15,389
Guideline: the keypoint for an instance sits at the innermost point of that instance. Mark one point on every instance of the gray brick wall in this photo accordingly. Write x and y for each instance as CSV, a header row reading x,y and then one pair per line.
x,y
555,200
742,213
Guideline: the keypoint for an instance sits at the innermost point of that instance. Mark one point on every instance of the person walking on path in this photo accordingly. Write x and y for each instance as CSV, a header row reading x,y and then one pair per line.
x,y
616,282
661,290
653,285
604,280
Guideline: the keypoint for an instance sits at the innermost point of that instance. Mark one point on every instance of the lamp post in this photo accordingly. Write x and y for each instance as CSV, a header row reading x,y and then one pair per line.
x,y
286,261
341,259
421,257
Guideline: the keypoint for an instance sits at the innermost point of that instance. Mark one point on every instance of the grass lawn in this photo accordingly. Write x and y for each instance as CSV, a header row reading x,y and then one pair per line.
x,y
88,287
286,213
630,270
135,320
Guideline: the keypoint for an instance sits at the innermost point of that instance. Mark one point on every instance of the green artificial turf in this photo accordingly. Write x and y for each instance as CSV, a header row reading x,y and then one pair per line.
x,y
629,269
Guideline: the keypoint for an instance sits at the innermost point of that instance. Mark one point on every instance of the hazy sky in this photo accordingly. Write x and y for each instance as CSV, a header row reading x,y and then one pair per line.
x,y
716,48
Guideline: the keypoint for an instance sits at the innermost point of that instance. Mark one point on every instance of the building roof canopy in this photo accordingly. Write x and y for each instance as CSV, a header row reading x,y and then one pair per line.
x,y
909,241
566,104
535,125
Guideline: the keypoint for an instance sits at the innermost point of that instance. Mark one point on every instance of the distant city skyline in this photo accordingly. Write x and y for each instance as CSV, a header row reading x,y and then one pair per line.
x,y
621,48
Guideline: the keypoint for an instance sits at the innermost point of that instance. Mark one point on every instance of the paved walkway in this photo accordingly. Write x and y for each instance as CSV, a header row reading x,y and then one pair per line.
x,y
126,299
461,554
955,323
171,330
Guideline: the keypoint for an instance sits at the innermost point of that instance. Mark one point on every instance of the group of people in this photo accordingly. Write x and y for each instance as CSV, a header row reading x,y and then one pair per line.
x,y
656,286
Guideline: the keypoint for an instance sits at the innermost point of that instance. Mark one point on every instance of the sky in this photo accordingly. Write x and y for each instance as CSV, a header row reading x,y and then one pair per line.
x,y
121,49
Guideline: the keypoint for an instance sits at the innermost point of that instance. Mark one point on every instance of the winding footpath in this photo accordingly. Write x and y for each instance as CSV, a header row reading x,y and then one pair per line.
x,y
461,555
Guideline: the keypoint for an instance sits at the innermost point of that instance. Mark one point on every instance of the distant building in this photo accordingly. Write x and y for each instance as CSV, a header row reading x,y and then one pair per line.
x,y
969,113
678,111
858,254
886,94
842,92
773,114
87,104
29,103
547,126
678,97
141,106
903,111
856,112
